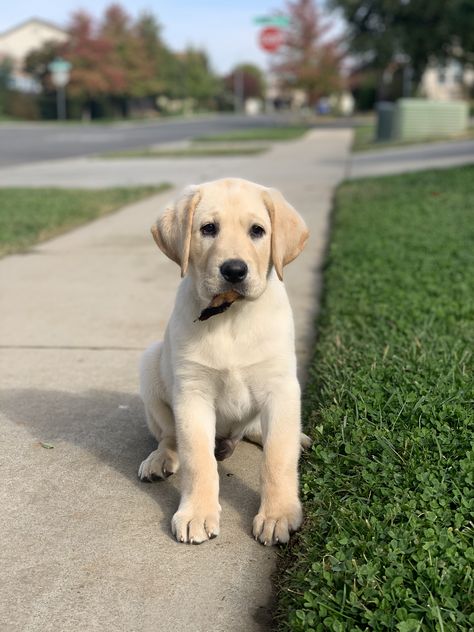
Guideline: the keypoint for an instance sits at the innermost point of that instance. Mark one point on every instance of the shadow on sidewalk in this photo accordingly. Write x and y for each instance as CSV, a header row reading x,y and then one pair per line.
x,y
111,426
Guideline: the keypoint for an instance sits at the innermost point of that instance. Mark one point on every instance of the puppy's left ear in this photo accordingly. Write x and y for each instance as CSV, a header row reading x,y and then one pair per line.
x,y
289,232
172,232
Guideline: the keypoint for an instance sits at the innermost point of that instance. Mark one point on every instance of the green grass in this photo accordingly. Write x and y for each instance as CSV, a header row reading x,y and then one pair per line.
x,y
186,152
388,539
28,216
364,139
289,132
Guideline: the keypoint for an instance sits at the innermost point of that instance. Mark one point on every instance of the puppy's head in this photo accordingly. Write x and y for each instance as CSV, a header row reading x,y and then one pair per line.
x,y
228,234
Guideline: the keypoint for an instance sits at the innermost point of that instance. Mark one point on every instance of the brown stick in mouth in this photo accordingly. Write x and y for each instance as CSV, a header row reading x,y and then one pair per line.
x,y
219,304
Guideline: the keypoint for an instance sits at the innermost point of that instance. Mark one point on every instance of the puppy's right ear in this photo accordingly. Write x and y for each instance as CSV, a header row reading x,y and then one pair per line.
x,y
172,232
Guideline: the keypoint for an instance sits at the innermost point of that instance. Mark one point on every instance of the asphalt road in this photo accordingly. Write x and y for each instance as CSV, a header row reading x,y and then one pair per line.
x,y
31,142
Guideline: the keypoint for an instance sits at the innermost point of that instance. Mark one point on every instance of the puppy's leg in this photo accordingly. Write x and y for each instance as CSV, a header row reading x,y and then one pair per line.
x,y
253,433
163,461
197,518
280,509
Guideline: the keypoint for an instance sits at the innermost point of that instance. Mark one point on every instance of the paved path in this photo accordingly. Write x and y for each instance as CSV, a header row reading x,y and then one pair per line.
x,y
27,142
411,158
85,172
85,545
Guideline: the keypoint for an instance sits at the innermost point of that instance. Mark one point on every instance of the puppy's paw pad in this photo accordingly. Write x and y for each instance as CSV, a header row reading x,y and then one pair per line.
x,y
159,465
271,529
195,528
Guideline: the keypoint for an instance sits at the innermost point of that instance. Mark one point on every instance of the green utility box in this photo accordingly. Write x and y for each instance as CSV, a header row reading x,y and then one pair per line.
x,y
422,118
385,120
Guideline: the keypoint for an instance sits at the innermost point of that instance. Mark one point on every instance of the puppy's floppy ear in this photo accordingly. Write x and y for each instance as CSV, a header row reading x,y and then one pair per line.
x,y
172,232
289,232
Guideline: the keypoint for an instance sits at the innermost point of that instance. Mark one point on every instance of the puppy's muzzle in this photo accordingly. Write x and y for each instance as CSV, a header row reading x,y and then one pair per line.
x,y
234,270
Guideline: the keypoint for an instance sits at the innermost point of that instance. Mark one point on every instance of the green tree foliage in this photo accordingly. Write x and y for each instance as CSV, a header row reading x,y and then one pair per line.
x,y
134,49
310,59
148,31
197,79
423,31
36,64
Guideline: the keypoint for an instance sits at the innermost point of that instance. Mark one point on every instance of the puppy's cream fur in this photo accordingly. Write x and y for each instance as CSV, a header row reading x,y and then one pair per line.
x,y
234,375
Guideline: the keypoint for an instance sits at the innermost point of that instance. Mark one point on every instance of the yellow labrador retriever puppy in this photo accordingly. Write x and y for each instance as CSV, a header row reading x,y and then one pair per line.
x,y
210,383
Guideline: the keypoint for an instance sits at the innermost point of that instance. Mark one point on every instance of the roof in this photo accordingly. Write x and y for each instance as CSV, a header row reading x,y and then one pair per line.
x,y
19,26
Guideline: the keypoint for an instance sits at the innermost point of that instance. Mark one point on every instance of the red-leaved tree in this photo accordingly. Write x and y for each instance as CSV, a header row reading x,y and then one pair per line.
x,y
118,63
95,70
310,59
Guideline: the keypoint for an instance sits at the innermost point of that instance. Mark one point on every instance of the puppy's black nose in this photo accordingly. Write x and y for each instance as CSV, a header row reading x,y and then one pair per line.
x,y
234,270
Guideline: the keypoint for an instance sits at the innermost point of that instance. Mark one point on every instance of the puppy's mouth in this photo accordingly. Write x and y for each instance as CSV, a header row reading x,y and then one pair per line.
x,y
220,303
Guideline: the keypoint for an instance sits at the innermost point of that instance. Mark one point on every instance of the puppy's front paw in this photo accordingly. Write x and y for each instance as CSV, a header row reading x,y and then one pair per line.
x,y
275,526
195,526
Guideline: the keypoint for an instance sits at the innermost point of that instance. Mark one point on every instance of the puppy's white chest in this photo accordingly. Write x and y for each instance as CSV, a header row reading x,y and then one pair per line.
x,y
235,402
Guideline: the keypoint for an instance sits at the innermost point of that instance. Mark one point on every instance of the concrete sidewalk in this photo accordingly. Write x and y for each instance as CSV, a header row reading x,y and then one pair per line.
x,y
85,545
438,155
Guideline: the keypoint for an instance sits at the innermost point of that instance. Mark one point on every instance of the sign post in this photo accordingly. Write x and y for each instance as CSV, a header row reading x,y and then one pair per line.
x,y
282,21
271,37
273,33
238,90
60,70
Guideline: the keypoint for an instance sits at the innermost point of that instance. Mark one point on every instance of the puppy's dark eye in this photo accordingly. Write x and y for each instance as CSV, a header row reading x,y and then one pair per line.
x,y
257,231
209,230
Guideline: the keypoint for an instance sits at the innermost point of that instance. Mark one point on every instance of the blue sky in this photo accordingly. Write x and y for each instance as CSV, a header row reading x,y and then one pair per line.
x,y
224,29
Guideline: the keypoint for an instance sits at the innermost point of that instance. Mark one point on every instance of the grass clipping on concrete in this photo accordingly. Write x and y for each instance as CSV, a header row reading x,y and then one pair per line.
x,y
388,539
28,216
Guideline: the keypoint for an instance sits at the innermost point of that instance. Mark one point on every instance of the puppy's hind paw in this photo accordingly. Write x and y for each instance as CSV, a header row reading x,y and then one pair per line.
x,y
160,464
224,448
305,441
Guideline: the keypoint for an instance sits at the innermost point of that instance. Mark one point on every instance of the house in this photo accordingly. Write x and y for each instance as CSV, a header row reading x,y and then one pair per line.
x,y
19,41
446,83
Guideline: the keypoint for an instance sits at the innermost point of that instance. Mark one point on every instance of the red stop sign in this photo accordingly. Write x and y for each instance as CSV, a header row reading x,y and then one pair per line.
x,y
271,38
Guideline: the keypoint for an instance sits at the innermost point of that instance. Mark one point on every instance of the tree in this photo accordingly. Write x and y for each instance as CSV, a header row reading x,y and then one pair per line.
x,y
415,30
197,79
95,71
148,30
253,83
310,60
36,63
129,52
118,60
6,67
